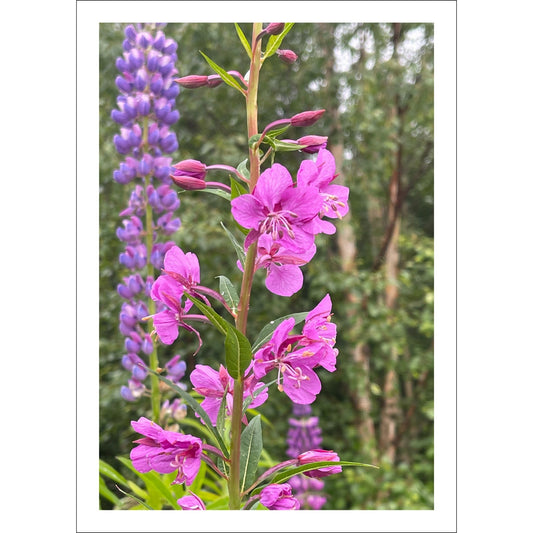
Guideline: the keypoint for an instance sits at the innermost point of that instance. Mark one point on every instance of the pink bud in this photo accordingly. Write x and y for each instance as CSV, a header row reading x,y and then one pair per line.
x,y
313,143
287,56
189,174
274,28
193,82
214,80
307,118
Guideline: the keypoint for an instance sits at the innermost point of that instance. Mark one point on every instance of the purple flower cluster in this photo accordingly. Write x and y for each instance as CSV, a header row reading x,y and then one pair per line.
x,y
305,434
145,111
284,217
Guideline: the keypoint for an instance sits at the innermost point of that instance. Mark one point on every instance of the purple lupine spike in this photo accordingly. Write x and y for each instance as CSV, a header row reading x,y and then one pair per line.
x,y
305,434
145,112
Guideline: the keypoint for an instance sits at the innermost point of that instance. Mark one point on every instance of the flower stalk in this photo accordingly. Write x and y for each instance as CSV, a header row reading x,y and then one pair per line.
x,y
246,285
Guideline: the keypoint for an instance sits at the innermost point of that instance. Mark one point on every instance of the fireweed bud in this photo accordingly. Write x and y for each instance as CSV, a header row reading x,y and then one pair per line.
x,y
313,143
214,80
275,28
193,82
287,56
307,118
189,174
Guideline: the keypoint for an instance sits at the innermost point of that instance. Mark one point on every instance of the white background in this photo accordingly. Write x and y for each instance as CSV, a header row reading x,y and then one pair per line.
x,y
39,220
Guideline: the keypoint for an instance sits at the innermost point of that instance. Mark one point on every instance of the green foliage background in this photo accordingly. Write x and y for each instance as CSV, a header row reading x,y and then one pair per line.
x,y
362,78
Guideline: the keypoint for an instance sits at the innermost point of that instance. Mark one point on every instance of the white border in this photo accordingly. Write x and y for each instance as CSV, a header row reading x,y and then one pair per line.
x,y
89,15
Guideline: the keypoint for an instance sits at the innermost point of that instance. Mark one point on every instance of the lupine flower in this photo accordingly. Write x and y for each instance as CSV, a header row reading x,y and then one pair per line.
x,y
191,502
145,111
213,385
312,456
279,498
277,208
166,451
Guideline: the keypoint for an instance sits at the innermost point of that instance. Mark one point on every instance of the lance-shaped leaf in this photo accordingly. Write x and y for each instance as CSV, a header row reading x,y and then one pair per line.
x,y
266,333
251,447
228,292
196,407
281,477
274,42
243,40
238,247
238,353
227,78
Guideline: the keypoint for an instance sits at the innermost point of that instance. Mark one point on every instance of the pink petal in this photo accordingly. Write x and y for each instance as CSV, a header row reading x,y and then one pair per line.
x,y
284,280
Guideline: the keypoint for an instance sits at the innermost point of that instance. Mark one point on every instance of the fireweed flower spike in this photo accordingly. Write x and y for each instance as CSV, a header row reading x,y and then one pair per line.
x,y
166,451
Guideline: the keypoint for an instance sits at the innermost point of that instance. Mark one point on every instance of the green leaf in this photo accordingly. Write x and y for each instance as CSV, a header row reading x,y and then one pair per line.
x,y
266,333
280,146
251,447
238,247
274,41
238,353
107,494
196,407
140,502
108,471
228,292
243,40
216,192
243,169
237,346
157,490
281,477
228,78
237,188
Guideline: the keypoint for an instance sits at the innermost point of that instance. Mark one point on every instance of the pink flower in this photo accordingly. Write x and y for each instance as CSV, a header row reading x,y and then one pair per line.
x,y
287,56
191,503
300,382
212,385
279,209
313,456
284,276
192,81
166,451
183,267
334,197
279,498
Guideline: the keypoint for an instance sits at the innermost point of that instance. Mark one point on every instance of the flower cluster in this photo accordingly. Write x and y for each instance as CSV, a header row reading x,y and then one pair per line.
x,y
145,113
284,217
296,356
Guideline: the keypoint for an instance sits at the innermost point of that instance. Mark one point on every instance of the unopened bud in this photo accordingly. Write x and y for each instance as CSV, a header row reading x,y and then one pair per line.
x,y
313,143
287,56
214,80
193,82
189,168
275,28
307,118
